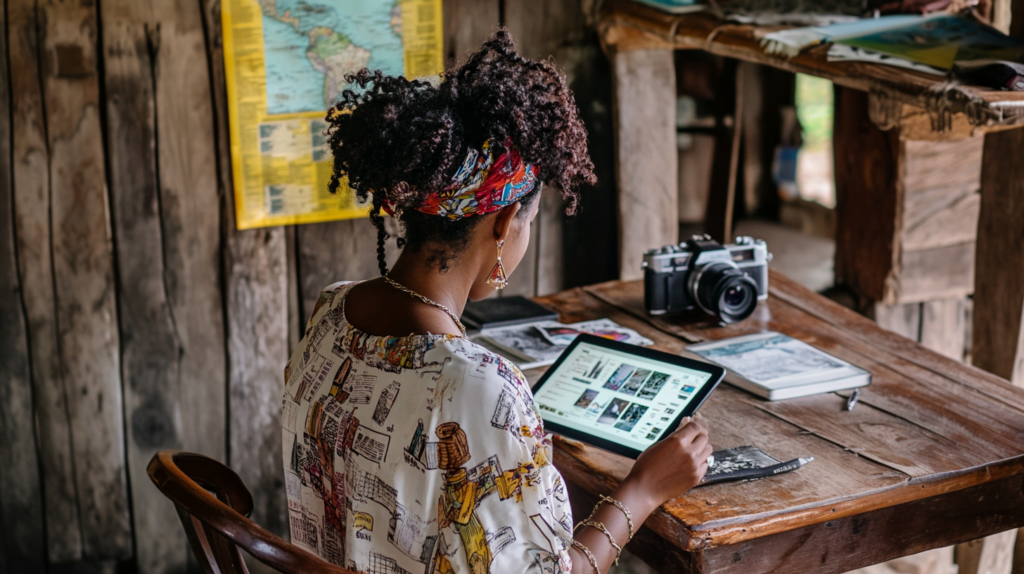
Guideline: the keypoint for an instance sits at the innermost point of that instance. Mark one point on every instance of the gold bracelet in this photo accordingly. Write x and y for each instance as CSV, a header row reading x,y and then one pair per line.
x,y
586,551
625,511
600,526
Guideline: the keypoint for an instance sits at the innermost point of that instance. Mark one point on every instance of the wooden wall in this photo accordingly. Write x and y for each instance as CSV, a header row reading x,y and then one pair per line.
x,y
134,316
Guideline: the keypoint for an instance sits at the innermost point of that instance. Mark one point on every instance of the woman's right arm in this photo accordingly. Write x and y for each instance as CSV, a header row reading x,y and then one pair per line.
x,y
664,471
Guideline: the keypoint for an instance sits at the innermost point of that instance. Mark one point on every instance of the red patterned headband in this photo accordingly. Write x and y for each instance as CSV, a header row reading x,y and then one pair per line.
x,y
484,184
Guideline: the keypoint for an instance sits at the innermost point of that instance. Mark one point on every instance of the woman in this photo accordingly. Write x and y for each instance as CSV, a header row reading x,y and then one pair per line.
x,y
408,448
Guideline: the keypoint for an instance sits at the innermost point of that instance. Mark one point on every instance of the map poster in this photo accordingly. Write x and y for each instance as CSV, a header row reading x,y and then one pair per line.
x,y
285,62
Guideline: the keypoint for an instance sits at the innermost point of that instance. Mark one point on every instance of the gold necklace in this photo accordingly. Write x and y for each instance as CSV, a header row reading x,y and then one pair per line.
x,y
426,300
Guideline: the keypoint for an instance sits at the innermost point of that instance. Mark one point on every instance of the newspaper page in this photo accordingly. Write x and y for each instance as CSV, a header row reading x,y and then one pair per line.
x,y
285,62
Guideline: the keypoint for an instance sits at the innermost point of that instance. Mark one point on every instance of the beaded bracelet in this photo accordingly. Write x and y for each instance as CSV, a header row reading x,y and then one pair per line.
x,y
600,526
586,551
625,511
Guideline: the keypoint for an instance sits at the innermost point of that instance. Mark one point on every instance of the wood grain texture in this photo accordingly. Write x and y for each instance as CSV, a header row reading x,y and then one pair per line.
x,y
149,341
868,198
166,218
256,327
84,279
944,326
22,530
998,332
645,140
941,181
35,266
989,555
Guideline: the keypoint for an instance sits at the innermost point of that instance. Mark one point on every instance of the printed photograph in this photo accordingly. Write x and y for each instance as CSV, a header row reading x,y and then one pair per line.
x,y
688,389
619,376
635,382
631,417
653,386
586,398
615,408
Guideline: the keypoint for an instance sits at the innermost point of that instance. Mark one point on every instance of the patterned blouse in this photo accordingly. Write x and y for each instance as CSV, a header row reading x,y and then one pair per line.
x,y
421,454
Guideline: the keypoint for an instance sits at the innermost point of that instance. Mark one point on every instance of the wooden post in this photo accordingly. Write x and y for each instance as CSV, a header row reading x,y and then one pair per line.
x,y
22,531
646,158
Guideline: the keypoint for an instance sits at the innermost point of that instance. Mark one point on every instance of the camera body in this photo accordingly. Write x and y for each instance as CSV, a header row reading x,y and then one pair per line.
x,y
726,281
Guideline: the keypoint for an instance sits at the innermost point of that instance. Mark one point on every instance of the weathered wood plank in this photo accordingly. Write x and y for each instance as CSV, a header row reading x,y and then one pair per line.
x,y
149,341
35,265
645,140
868,192
944,326
998,331
941,200
256,327
867,538
22,530
84,277
989,555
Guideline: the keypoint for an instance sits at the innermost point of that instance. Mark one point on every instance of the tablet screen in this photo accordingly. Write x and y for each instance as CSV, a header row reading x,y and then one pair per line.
x,y
618,395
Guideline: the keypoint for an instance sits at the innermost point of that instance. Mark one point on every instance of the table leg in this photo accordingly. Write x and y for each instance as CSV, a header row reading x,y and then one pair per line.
x,y
646,157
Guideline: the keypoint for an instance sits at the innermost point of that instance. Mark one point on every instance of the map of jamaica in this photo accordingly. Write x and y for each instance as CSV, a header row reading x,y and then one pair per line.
x,y
309,46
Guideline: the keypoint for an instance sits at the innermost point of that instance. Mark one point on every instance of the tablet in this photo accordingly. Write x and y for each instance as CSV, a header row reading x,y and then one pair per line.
x,y
621,397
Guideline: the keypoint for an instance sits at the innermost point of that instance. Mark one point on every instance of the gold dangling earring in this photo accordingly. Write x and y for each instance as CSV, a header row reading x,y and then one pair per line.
x,y
497,278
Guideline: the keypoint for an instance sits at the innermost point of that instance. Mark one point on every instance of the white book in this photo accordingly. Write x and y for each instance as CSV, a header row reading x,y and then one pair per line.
x,y
775,366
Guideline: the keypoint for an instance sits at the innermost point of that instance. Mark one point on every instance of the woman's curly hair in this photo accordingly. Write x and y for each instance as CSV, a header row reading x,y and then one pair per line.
x,y
402,139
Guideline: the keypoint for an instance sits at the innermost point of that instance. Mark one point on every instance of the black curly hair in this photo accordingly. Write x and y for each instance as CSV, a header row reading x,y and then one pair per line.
x,y
404,140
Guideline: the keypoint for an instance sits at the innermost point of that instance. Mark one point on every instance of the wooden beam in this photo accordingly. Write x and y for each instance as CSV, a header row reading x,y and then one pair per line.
x,y
646,158
998,332
256,311
22,530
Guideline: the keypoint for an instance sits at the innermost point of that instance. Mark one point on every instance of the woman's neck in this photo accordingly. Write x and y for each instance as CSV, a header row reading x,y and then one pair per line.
x,y
450,288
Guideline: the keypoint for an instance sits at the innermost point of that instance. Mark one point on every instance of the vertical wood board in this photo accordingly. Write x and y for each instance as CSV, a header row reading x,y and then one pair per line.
x,y
868,198
22,534
84,278
645,141
191,218
998,331
31,173
467,24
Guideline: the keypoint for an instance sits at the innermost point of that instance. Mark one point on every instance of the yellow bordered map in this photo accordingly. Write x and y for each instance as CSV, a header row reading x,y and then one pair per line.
x,y
285,62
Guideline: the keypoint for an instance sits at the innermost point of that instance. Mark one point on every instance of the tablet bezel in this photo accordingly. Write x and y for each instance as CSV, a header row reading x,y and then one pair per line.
x,y
716,375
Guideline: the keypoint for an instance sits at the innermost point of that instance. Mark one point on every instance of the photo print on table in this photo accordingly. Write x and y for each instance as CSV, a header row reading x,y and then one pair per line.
x,y
635,382
653,386
586,398
619,376
611,414
631,417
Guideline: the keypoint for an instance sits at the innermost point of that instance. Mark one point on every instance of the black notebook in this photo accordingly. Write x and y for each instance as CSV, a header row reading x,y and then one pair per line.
x,y
504,311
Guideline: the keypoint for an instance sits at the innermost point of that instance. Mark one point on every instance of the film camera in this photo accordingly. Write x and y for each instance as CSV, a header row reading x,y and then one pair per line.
x,y
726,281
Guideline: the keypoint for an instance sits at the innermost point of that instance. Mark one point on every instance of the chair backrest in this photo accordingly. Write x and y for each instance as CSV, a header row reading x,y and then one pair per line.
x,y
213,505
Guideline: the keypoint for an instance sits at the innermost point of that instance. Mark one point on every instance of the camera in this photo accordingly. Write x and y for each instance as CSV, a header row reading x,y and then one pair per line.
x,y
726,281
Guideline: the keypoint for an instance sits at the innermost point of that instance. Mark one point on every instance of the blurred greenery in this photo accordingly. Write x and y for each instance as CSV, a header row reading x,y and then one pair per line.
x,y
814,108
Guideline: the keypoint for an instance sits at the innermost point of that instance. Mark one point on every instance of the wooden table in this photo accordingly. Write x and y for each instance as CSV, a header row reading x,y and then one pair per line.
x,y
932,455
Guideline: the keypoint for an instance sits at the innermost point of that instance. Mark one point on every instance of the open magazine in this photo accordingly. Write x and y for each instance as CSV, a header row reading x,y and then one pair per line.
x,y
538,344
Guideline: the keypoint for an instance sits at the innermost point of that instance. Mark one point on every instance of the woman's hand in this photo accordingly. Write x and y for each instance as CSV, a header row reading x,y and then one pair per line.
x,y
674,465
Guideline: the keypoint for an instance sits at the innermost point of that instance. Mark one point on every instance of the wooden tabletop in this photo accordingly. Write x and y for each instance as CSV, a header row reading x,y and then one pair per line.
x,y
932,455
626,25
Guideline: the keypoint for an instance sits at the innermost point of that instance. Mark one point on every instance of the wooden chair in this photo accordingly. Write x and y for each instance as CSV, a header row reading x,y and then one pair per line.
x,y
213,505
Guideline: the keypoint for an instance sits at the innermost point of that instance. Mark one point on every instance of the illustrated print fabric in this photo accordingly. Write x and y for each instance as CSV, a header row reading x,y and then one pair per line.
x,y
421,455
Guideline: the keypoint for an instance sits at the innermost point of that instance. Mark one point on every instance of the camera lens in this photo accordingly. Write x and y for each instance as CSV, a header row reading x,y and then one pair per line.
x,y
726,292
